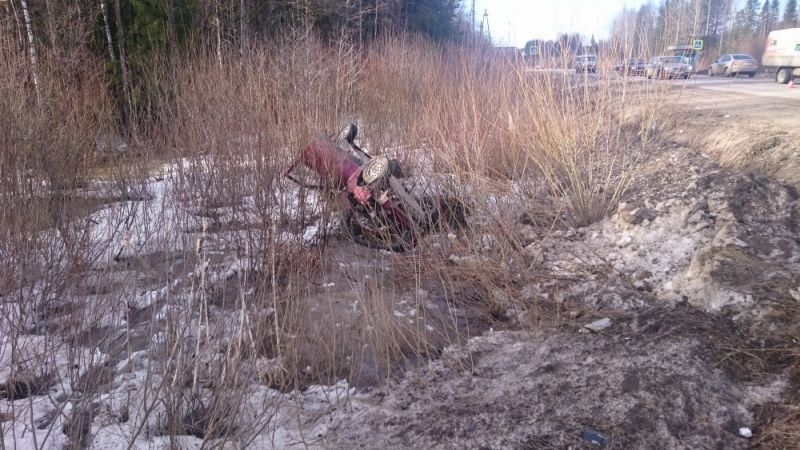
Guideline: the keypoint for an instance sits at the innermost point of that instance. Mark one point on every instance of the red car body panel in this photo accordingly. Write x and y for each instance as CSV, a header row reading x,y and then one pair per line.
x,y
341,170
335,166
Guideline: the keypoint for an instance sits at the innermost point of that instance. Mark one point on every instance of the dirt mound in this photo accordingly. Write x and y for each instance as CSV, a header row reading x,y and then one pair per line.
x,y
721,240
769,147
648,381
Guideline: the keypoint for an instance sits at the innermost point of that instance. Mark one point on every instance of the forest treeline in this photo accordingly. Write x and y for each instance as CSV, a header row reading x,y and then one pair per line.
x,y
130,38
726,26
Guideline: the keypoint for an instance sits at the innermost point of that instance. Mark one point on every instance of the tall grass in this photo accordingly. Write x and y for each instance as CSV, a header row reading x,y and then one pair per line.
x,y
225,238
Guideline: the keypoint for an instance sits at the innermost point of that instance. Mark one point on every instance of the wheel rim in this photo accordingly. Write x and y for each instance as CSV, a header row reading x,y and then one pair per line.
x,y
376,170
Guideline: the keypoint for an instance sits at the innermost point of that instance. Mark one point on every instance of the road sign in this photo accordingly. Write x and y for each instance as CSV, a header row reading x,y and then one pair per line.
x,y
697,44
533,50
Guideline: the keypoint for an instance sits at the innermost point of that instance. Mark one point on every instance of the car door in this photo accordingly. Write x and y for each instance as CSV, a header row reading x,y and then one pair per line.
x,y
715,66
724,62
651,68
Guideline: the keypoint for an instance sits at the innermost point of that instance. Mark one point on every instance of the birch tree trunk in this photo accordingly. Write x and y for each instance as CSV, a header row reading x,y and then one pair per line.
x,y
31,48
51,28
361,23
123,64
242,26
375,31
107,29
17,28
218,24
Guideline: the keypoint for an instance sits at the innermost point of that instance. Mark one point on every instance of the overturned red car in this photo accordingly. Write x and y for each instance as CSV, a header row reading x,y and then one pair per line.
x,y
378,210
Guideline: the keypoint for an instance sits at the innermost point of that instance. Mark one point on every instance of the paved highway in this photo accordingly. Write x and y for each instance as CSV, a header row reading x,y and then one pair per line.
x,y
758,98
743,86
755,98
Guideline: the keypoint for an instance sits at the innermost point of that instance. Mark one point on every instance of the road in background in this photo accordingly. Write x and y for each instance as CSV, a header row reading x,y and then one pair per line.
x,y
759,98
754,98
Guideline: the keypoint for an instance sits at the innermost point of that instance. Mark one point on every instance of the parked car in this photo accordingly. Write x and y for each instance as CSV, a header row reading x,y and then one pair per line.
x,y
586,63
783,54
692,66
665,67
633,66
733,65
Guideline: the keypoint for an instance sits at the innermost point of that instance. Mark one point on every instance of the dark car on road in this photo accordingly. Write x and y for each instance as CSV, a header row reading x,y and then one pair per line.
x,y
666,67
586,63
633,66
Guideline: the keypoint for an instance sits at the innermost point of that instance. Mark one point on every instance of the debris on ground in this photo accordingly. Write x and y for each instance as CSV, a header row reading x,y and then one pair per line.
x,y
599,325
595,437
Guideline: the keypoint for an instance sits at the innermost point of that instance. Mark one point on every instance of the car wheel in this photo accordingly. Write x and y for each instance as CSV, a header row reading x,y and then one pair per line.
x,y
751,74
784,76
711,71
378,231
725,73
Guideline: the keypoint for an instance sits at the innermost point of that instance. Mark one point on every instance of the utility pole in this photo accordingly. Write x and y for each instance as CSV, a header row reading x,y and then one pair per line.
x,y
472,29
486,21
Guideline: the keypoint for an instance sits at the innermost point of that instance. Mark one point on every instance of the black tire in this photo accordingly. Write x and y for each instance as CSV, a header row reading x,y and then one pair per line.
x,y
784,75
725,73
393,239
445,213
348,133
751,74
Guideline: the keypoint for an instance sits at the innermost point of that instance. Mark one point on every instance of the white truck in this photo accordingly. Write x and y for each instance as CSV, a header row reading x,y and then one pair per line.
x,y
783,54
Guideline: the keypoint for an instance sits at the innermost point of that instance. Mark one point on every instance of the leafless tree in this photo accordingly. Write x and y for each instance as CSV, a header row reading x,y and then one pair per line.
x,y
107,29
31,48
123,63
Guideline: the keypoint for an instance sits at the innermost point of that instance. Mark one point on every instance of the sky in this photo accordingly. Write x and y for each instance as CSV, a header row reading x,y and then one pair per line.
x,y
514,22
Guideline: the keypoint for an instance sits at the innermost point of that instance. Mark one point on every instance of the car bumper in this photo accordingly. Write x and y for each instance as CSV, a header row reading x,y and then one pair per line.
x,y
744,68
676,73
